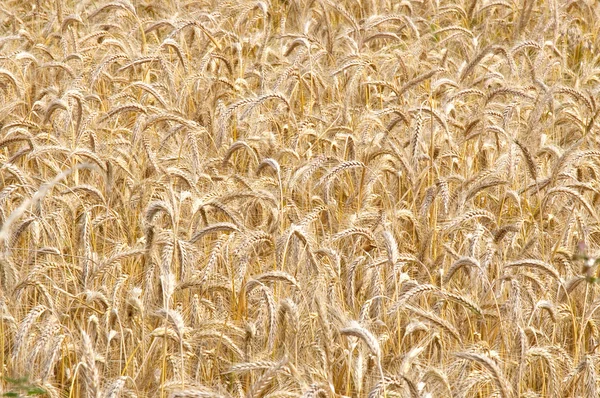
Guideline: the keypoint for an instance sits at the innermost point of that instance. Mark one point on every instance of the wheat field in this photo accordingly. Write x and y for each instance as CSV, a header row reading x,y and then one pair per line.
x,y
299,198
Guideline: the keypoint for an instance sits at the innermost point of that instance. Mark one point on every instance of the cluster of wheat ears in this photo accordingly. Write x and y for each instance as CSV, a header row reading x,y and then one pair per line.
x,y
296,198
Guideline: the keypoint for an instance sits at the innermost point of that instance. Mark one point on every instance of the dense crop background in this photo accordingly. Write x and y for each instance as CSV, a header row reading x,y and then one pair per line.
x,y
299,198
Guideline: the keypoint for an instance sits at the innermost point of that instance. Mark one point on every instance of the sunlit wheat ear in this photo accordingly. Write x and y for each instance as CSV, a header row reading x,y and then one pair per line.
x,y
91,375
193,393
5,74
546,356
358,370
35,199
315,391
236,146
51,357
328,178
9,274
113,389
436,320
22,337
387,384
434,374
490,366
48,329
288,318
406,296
464,301
356,330
258,389
457,265
167,277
